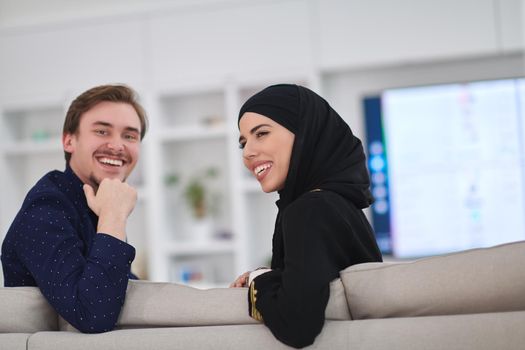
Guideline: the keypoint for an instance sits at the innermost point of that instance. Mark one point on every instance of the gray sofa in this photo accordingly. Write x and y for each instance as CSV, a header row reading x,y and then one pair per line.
x,y
469,300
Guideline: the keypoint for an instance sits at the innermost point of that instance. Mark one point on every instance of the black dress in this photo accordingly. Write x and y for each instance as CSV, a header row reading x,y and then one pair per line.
x,y
322,233
320,228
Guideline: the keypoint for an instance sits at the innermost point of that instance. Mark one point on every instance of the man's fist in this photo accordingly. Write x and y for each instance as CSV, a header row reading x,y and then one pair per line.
x,y
112,203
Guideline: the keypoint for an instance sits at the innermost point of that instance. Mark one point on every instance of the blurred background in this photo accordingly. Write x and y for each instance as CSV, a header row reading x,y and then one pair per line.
x,y
434,88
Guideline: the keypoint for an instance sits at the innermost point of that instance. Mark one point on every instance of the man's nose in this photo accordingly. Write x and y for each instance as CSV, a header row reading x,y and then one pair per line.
x,y
116,144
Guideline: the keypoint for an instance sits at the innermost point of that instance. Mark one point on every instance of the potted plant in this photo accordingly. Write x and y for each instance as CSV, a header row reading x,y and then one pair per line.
x,y
198,198
196,193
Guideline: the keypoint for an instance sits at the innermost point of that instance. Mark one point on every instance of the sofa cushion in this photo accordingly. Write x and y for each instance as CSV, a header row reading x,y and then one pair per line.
x,y
14,341
501,331
472,281
155,304
169,304
337,308
227,337
491,331
25,310
158,304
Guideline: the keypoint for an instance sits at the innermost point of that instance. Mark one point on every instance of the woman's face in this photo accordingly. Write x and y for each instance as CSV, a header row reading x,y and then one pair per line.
x,y
267,149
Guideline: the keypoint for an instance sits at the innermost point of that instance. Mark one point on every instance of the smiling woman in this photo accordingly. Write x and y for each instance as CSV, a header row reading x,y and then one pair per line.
x,y
267,148
293,142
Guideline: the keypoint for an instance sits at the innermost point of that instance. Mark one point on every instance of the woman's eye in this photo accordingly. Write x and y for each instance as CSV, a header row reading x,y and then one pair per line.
x,y
241,145
261,133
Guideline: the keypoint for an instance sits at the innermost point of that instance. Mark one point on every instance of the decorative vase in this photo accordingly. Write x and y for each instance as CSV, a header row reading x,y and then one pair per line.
x,y
200,230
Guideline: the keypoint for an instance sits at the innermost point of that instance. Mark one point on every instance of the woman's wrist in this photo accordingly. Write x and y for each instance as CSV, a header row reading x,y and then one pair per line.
x,y
259,271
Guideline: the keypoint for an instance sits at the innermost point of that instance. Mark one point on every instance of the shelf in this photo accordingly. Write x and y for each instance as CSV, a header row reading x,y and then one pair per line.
x,y
192,133
199,248
33,147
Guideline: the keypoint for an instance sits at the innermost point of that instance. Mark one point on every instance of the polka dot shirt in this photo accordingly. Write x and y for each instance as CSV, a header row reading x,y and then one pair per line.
x,y
53,244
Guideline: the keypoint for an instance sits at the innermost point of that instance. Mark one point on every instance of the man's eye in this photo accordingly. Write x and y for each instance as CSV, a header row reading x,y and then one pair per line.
x,y
101,132
131,137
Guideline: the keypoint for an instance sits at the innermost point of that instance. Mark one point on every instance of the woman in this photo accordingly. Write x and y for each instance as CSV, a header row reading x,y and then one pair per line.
x,y
293,142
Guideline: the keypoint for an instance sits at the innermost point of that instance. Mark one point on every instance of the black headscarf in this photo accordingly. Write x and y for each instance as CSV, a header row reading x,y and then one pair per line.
x,y
325,154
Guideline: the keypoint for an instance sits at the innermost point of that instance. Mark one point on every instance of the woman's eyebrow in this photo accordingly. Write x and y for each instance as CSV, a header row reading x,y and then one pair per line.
x,y
253,131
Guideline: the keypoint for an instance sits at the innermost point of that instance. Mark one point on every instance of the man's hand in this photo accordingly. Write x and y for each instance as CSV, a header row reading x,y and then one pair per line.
x,y
112,204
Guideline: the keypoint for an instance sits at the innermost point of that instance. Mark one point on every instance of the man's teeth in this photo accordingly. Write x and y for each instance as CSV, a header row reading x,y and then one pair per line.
x,y
116,162
259,169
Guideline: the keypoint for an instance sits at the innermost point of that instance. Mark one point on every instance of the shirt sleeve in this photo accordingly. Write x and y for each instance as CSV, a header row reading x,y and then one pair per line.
x,y
87,288
292,301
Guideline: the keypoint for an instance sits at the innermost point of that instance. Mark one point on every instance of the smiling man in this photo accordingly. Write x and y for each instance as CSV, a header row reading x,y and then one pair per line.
x,y
69,237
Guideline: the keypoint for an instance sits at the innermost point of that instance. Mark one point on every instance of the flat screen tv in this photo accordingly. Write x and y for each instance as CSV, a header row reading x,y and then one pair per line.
x,y
447,166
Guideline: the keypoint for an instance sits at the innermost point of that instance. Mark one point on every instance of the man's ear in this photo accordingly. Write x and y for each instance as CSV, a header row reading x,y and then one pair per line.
x,y
68,143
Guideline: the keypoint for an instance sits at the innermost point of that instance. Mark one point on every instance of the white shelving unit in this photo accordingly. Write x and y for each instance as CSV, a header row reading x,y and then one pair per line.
x,y
193,135
30,142
190,135
194,129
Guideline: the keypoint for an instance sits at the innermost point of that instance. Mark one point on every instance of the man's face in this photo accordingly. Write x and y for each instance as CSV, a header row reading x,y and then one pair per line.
x,y
106,144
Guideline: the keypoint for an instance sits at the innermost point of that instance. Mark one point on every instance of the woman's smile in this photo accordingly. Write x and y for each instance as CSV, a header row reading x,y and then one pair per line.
x,y
267,148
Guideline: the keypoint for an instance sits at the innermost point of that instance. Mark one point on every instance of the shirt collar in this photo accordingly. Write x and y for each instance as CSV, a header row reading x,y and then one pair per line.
x,y
77,192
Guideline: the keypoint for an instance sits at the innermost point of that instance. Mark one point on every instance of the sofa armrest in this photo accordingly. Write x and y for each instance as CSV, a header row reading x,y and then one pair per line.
x,y
25,310
472,281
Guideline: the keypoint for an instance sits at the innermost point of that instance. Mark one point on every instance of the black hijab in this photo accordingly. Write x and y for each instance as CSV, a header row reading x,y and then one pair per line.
x,y
325,155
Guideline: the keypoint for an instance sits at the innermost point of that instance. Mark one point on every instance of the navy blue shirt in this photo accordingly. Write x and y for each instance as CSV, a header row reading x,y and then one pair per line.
x,y
53,244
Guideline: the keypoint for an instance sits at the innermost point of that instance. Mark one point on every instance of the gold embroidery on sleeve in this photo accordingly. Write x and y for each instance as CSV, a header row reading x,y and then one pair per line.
x,y
254,313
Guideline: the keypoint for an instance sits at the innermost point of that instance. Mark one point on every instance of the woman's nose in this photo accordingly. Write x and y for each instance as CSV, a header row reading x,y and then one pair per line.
x,y
249,151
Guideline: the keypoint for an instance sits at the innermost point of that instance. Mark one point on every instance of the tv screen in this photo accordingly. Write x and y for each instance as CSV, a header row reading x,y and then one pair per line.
x,y
447,166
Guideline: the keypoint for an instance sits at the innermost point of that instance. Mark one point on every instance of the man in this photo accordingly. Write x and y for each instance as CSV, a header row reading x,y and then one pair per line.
x,y
69,237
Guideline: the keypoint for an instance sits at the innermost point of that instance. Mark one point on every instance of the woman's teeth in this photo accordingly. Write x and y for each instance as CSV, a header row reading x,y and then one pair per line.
x,y
261,168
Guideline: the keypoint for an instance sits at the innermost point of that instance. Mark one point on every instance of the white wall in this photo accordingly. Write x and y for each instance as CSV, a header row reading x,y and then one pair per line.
x,y
61,47
346,90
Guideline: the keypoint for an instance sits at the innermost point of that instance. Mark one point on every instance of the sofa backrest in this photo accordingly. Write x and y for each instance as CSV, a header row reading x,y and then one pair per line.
x,y
25,310
472,281
155,304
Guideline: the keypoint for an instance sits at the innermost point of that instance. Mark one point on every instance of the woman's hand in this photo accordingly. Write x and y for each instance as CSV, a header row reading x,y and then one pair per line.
x,y
241,281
